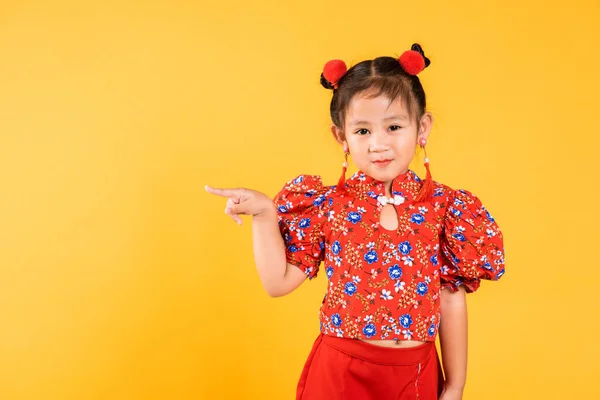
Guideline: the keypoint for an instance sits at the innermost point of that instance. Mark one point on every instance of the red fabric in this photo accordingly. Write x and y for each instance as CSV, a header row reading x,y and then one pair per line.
x,y
385,284
348,369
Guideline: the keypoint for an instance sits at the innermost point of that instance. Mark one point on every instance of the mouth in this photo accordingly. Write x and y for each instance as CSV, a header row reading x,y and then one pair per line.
x,y
382,163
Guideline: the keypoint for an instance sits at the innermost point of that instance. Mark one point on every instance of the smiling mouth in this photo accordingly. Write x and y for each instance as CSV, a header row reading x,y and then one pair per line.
x,y
382,163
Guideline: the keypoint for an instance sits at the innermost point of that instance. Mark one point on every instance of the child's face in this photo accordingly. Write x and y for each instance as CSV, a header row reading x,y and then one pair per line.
x,y
381,136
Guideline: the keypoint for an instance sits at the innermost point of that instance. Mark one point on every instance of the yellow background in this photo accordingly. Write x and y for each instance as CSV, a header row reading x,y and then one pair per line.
x,y
120,278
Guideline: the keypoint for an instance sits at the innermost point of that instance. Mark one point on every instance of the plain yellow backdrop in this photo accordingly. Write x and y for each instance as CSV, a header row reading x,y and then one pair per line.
x,y
120,278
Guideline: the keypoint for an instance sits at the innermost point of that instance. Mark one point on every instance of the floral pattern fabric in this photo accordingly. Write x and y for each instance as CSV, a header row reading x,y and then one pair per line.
x,y
385,284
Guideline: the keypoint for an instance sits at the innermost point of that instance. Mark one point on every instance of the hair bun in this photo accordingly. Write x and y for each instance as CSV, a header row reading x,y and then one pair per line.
x,y
417,47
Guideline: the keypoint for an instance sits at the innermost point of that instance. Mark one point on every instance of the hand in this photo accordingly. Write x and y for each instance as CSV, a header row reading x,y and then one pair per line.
x,y
451,393
243,201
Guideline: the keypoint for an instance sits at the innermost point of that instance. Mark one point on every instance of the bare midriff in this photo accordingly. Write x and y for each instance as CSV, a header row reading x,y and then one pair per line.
x,y
394,343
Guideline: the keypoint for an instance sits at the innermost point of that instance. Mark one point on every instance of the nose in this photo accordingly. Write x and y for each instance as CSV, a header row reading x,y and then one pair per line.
x,y
379,141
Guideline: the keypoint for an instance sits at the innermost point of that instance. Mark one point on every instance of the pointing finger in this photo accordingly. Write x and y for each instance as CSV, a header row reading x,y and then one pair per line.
x,y
222,192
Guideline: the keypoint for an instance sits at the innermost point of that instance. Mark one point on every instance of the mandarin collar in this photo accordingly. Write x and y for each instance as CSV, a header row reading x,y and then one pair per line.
x,y
407,185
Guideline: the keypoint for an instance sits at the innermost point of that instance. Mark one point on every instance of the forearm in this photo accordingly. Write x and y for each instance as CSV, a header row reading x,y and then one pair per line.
x,y
453,337
269,251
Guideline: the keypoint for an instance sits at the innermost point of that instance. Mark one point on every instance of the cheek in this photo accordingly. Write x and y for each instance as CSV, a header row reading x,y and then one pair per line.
x,y
357,145
406,145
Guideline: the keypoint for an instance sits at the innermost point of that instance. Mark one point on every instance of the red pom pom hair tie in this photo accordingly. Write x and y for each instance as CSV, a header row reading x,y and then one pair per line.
x,y
413,61
333,71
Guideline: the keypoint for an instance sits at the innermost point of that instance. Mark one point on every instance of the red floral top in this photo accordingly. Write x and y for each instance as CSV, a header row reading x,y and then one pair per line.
x,y
385,284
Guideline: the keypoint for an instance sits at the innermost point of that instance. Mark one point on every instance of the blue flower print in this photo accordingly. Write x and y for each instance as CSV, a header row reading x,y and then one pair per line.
x,y
329,271
487,266
350,288
330,200
431,330
335,318
371,257
434,259
422,288
417,219
455,259
369,330
395,271
287,237
459,236
292,248
405,247
457,201
489,217
336,247
304,223
321,245
354,217
456,212
499,274
319,200
298,180
405,320
282,209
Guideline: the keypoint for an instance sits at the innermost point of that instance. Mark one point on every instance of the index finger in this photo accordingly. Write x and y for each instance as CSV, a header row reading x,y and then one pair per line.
x,y
222,192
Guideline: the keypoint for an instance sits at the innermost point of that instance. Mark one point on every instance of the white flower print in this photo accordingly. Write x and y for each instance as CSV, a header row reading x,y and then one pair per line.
x,y
386,294
399,286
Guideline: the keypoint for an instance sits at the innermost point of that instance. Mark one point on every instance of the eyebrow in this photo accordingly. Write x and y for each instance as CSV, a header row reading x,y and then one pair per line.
x,y
385,119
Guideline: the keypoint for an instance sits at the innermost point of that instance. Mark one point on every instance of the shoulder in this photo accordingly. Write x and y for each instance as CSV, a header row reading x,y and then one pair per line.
x,y
304,191
462,205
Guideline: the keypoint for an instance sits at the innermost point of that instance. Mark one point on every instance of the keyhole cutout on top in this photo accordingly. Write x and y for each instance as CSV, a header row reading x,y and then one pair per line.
x,y
388,218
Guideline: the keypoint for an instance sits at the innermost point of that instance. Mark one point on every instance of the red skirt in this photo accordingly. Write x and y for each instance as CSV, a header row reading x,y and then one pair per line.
x,y
349,369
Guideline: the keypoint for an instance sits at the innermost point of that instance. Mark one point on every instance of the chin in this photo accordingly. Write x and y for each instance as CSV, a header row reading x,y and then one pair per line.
x,y
384,175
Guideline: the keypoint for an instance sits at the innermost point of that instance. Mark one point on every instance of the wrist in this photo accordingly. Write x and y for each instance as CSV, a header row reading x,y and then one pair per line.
x,y
455,387
266,214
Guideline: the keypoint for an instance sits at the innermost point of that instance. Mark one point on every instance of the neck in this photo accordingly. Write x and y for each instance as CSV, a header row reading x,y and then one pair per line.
x,y
388,188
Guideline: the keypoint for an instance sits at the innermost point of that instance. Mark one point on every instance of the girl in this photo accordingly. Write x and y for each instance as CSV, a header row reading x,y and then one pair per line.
x,y
398,251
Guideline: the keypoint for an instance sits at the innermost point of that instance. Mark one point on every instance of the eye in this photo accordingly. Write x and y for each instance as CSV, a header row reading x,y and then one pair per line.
x,y
395,127
362,131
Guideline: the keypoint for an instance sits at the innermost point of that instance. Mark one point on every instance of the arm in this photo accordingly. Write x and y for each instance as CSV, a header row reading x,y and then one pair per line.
x,y
277,276
453,338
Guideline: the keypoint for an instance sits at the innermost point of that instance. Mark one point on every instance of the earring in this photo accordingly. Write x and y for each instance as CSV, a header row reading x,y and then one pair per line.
x,y
427,187
342,180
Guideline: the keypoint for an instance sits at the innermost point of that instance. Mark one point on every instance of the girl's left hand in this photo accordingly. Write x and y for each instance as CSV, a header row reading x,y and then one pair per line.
x,y
451,393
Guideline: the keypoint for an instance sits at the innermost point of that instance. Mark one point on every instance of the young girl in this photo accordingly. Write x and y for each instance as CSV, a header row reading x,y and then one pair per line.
x,y
398,251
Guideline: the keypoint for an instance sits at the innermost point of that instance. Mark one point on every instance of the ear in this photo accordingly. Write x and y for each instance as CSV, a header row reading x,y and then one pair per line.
x,y
338,134
425,125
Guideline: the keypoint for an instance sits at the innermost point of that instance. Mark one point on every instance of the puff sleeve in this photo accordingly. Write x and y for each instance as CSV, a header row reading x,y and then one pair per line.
x,y
471,245
301,213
